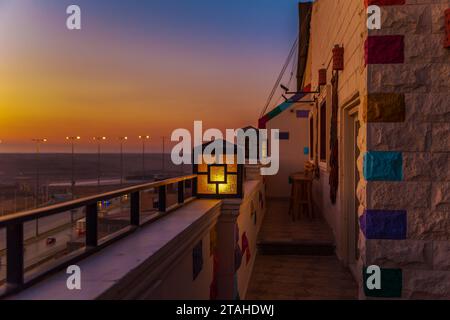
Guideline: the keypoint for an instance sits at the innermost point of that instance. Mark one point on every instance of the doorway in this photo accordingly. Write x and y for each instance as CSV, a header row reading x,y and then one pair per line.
x,y
351,178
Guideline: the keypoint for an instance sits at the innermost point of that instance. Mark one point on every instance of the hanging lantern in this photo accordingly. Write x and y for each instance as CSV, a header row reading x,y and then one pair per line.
x,y
447,28
338,58
322,77
217,176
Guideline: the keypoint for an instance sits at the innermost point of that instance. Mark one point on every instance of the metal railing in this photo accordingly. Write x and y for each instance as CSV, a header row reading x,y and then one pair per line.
x,y
14,225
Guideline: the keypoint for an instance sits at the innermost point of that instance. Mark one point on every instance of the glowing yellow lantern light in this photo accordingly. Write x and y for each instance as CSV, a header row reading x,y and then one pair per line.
x,y
219,176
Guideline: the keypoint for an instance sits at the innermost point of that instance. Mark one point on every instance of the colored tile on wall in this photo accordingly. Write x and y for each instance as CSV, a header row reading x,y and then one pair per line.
x,y
305,151
197,260
383,166
212,241
391,284
302,113
386,107
384,224
283,136
385,2
385,49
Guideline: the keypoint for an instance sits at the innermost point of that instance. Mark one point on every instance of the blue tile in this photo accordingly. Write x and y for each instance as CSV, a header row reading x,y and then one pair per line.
x,y
283,136
383,166
384,224
305,150
302,113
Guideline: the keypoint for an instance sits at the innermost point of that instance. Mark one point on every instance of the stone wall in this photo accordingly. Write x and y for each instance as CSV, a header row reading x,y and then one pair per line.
x,y
407,221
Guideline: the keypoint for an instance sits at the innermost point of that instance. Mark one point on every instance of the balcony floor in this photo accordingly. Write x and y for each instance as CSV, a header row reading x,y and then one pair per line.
x,y
296,261
279,227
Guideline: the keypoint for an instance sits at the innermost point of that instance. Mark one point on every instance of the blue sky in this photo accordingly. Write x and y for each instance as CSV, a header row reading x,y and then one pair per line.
x,y
137,66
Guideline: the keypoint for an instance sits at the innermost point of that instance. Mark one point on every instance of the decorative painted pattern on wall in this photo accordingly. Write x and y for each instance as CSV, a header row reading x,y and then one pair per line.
x,y
302,113
283,136
197,260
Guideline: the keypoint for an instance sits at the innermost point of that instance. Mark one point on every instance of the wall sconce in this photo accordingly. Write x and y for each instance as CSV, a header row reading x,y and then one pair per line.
x,y
338,58
322,77
216,178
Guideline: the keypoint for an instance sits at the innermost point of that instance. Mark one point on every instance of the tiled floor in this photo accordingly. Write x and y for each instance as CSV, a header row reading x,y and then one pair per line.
x,y
300,278
297,277
278,226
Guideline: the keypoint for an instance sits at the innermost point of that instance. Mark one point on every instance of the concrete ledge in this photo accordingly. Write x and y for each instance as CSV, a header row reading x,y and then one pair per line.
x,y
109,272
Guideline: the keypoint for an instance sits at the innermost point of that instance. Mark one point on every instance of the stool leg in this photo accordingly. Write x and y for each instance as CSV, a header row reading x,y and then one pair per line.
x,y
310,206
299,203
291,201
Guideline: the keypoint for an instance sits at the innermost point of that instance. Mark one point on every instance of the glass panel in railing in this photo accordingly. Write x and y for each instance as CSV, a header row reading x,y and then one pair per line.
x,y
171,194
188,184
149,204
51,239
113,216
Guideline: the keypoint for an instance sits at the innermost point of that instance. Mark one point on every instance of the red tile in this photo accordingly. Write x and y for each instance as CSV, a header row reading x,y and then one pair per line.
x,y
385,2
385,49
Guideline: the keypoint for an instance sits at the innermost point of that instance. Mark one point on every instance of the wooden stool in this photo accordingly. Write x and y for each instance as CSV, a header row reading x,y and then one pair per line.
x,y
301,196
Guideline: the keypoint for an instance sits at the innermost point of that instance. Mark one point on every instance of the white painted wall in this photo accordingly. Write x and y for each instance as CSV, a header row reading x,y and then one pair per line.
x,y
292,158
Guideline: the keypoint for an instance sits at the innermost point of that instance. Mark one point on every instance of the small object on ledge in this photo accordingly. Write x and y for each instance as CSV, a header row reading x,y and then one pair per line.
x,y
50,241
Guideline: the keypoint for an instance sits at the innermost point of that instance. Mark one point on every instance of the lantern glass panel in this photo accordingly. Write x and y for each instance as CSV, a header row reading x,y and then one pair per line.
x,y
232,167
230,187
217,174
203,186
202,168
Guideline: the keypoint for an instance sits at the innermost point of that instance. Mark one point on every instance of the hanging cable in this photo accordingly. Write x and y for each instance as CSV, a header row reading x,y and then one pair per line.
x,y
280,77
294,67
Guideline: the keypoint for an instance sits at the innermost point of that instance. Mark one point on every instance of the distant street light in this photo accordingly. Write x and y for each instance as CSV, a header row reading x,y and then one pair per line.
x,y
99,141
122,140
72,183
72,142
163,151
38,142
144,139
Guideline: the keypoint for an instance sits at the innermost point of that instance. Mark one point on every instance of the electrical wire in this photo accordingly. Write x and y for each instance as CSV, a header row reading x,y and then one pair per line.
x,y
280,77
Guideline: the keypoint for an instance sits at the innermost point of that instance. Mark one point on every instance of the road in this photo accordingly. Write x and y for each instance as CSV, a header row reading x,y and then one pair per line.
x,y
36,248
59,227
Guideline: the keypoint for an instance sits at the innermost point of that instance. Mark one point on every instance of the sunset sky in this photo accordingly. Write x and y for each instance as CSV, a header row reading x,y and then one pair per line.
x,y
136,67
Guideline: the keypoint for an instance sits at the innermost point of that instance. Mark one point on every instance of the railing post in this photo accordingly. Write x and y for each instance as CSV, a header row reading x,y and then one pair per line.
x,y
135,208
194,187
181,192
227,243
162,190
14,255
92,225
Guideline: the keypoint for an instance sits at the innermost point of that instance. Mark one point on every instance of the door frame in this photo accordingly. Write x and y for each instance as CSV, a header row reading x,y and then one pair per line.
x,y
350,113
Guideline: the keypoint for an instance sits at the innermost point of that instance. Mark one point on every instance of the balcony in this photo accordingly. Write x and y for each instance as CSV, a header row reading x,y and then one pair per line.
x,y
185,248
